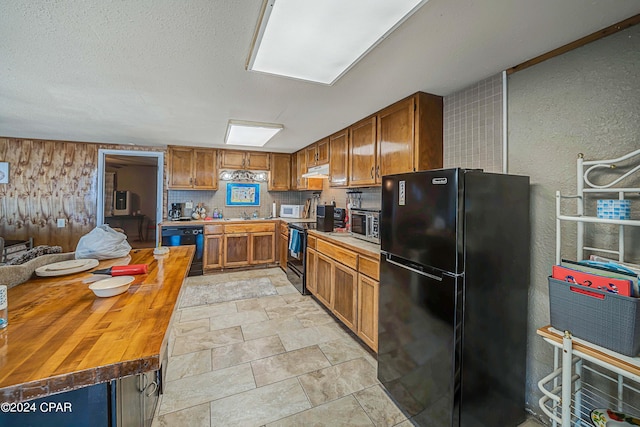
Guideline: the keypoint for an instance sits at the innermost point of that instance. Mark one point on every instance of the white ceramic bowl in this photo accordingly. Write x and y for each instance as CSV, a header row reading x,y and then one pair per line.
x,y
112,286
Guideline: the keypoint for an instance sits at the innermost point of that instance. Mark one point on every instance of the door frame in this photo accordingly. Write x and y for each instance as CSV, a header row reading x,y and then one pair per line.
x,y
103,153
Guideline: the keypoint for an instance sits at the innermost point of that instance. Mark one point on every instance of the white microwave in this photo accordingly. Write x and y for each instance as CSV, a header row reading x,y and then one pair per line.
x,y
291,211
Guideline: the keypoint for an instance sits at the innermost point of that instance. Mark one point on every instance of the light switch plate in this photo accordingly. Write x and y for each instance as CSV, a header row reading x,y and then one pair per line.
x,y
62,222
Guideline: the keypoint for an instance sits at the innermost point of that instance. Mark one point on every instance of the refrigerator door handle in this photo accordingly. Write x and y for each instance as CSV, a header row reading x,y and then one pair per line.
x,y
431,276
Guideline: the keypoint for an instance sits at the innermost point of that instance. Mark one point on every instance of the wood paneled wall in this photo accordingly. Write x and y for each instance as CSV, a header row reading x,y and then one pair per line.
x,y
50,180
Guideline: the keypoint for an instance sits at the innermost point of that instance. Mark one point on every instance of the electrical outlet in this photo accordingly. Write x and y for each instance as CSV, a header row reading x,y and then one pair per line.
x,y
188,205
62,222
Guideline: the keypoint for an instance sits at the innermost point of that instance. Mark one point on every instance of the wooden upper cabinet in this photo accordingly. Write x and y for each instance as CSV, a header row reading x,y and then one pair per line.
x,y
339,159
280,172
318,153
257,160
294,171
192,168
205,173
362,152
302,168
180,163
395,138
232,159
428,151
410,135
250,160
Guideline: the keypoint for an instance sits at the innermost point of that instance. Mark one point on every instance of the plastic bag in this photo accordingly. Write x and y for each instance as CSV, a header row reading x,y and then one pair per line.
x,y
103,242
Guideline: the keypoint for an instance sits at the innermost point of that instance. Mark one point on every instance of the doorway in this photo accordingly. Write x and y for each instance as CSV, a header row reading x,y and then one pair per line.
x,y
130,193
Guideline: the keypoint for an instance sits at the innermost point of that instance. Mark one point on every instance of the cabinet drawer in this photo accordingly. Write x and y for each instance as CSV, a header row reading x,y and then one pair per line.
x,y
344,256
213,229
284,228
249,228
312,242
369,267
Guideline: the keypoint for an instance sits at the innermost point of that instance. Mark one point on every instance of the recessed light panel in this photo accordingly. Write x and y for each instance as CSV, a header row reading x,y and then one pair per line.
x,y
320,40
252,134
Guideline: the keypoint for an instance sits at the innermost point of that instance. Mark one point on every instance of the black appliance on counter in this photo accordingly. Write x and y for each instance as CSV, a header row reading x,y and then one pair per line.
x,y
339,215
454,276
186,235
297,261
324,217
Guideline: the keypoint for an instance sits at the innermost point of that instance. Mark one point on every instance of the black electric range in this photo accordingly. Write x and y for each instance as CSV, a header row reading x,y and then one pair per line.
x,y
297,261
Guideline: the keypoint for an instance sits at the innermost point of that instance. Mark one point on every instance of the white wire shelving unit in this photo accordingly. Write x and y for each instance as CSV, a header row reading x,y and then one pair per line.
x,y
586,376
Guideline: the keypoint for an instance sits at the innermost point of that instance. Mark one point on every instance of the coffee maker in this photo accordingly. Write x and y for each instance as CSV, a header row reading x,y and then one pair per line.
x,y
177,211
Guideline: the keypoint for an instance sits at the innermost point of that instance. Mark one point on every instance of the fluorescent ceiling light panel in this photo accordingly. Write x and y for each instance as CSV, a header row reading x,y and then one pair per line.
x,y
253,134
321,40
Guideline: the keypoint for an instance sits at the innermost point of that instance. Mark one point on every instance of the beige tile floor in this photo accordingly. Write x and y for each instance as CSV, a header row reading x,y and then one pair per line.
x,y
278,360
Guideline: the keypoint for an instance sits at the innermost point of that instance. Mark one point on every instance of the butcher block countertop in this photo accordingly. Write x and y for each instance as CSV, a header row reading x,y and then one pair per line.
x,y
62,337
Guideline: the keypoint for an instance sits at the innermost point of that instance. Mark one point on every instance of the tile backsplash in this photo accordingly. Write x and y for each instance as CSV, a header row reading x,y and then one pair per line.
x,y
473,122
371,198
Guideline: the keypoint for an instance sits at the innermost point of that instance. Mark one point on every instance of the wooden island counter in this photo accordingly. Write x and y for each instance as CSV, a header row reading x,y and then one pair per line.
x,y
61,337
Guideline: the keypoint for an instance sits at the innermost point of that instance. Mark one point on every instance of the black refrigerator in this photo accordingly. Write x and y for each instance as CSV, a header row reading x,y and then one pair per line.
x,y
454,279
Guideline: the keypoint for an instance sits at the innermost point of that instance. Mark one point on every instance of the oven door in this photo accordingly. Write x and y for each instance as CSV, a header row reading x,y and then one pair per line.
x,y
296,263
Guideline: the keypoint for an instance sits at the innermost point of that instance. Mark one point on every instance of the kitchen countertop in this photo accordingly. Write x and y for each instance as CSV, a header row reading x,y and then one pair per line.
x,y
62,337
168,223
349,242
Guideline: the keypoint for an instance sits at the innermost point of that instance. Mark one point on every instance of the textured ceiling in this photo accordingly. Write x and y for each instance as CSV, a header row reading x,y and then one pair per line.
x,y
159,72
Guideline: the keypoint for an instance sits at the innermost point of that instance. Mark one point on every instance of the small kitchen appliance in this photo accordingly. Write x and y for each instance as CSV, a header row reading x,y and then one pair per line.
x,y
291,211
324,218
176,213
365,224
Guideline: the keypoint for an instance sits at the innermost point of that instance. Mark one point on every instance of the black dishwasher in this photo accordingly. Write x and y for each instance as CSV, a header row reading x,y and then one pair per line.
x,y
186,235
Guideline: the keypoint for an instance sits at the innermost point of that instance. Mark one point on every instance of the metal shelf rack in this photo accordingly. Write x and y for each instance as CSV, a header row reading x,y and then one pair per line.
x,y
586,376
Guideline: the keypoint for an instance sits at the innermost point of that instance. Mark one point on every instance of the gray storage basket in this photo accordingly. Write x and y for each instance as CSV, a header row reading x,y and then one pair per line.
x,y
611,322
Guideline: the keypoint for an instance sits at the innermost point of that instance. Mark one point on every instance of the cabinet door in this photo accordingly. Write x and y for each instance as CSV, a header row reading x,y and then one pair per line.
x,y
345,294
262,248
212,251
294,171
206,176
282,251
324,276
428,133
280,172
368,291
362,152
257,161
310,274
232,159
396,133
302,168
339,156
311,155
236,249
322,151
180,164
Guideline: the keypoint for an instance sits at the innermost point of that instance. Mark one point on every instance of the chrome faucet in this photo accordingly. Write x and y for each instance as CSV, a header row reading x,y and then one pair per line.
x,y
244,215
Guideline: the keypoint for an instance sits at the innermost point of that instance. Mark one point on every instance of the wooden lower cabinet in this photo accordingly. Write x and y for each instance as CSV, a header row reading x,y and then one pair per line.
x,y
346,282
213,251
345,295
367,330
262,248
310,274
282,251
236,249
324,279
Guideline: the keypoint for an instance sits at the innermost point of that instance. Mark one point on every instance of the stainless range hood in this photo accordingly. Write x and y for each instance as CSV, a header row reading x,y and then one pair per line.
x,y
321,171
